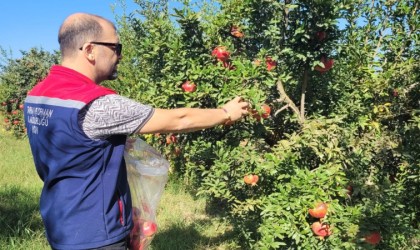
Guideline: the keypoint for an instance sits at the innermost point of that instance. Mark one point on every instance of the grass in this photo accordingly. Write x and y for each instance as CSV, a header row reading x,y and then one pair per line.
x,y
20,222
185,224
183,219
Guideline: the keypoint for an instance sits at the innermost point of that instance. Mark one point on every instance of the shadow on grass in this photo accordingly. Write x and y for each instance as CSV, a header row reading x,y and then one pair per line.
x,y
185,238
19,212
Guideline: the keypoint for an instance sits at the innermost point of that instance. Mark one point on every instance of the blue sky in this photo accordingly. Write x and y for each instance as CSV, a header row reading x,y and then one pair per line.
x,y
29,23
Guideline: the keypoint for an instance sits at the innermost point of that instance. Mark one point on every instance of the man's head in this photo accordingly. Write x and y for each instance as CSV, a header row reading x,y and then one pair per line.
x,y
90,44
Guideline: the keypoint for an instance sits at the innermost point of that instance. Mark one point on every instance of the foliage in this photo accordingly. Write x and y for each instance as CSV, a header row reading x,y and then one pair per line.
x,y
342,81
351,124
17,77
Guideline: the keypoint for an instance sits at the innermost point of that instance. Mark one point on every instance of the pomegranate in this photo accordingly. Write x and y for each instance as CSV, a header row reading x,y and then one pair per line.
x,y
349,190
189,86
266,111
251,179
321,35
319,211
270,63
148,228
236,31
373,238
321,229
171,139
328,63
221,53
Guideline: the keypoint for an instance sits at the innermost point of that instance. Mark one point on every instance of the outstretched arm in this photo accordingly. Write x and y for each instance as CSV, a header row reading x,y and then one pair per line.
x,y
192,119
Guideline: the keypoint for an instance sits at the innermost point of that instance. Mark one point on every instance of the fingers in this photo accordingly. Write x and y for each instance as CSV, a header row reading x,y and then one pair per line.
x,y
238,99
241,101
237,107
244,106
245,112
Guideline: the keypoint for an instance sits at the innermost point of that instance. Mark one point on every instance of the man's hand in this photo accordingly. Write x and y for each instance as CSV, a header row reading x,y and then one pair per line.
x,y
236,109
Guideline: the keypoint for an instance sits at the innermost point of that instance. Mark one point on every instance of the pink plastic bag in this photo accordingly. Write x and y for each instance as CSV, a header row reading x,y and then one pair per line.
x,y
147,172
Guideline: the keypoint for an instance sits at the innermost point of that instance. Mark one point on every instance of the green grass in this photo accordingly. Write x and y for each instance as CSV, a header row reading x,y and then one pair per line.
x,y
20,223
183,219
185,222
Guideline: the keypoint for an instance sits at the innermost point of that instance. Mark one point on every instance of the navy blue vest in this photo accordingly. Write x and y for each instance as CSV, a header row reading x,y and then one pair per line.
x,y
85,201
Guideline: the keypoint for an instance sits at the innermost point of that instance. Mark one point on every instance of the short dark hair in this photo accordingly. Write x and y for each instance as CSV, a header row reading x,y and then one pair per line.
x,y
81,29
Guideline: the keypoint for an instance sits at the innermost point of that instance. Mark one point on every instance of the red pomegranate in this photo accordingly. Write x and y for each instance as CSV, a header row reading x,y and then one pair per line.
x,y
221,53
319,211
321,229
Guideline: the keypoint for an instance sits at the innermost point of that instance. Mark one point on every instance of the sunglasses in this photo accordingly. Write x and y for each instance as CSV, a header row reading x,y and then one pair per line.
x,y
117,47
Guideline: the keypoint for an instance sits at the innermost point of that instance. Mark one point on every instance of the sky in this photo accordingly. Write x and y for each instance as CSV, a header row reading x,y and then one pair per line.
x,y
34,23
30,23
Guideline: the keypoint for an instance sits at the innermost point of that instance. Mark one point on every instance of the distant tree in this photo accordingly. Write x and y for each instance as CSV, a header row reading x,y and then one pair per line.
x,y
17,76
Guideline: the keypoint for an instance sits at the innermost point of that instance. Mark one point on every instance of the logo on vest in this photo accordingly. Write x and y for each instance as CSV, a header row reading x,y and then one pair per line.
x,y
38,117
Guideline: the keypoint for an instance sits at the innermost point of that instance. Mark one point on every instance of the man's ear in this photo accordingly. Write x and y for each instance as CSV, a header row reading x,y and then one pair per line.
x,y
88,52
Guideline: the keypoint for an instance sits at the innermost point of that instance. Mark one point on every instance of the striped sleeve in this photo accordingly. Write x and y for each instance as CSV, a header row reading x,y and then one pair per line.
x,y
113,114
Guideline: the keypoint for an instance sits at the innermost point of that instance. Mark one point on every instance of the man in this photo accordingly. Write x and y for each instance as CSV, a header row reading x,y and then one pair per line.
x,y
77,131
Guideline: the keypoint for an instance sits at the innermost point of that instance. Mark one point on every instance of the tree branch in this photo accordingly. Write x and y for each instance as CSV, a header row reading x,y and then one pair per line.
x,y
410,31
370,22
381,36
281,109
286,99
303,95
